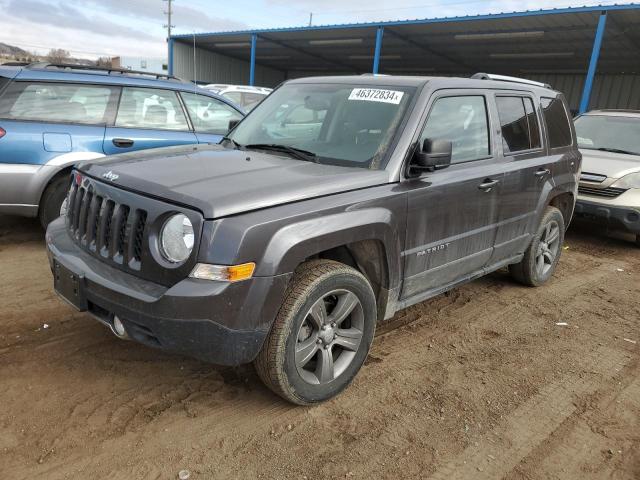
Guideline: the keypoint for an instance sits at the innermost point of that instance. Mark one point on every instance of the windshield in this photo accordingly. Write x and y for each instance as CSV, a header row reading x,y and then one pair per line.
x,y
338,124
603,132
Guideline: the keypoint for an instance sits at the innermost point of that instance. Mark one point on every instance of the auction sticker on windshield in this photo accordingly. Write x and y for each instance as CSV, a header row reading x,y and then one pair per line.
x,y
376,95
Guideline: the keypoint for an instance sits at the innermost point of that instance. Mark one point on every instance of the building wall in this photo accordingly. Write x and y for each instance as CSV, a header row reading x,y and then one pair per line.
x,y
609,91
215,68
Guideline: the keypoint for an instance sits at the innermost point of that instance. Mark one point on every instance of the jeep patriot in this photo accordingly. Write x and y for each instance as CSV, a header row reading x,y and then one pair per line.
x,y
335,203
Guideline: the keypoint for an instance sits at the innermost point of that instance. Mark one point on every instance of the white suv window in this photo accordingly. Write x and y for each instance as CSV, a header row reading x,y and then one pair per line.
x,y
209,115
150,108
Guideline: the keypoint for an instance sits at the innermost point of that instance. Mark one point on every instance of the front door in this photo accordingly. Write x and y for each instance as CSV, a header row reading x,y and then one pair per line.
x,y
452,213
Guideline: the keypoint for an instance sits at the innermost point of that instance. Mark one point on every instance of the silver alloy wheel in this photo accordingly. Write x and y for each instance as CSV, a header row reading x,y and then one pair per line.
x,y
548,248
329,337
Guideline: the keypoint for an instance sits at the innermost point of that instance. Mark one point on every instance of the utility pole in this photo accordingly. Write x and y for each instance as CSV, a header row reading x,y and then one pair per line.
x,y
168,13
169,26
310,18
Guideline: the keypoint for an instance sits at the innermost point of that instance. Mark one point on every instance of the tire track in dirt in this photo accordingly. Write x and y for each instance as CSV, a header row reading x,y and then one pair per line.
x,y
532,422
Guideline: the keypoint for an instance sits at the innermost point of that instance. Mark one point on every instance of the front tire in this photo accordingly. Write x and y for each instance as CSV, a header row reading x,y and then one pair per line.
x,y
541,258
52,199
322,334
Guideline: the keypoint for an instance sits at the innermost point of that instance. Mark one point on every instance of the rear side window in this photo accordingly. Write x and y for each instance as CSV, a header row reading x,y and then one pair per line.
x,y
462,121
251,100
235,97
56,102
519,124
150,108
209,115
555,116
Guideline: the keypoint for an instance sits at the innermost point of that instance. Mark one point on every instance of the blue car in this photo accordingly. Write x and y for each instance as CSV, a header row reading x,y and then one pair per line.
x,y
53,117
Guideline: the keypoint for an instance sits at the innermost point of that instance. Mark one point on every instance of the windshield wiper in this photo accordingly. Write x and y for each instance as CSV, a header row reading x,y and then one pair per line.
x,y
298,153
615,150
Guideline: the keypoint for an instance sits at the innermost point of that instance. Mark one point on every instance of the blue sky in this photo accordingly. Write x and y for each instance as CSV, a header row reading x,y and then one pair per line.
x,y
92,28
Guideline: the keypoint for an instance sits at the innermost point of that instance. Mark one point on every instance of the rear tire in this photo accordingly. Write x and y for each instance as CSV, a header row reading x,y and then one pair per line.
x,y
52,199
541,258
322,334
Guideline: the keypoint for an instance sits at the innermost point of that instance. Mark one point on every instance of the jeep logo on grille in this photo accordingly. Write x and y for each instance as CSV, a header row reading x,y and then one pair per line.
x,y
110,176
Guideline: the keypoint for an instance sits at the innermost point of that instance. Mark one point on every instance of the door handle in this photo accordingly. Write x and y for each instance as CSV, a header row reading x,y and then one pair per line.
x,y
543,172
488,184
123,142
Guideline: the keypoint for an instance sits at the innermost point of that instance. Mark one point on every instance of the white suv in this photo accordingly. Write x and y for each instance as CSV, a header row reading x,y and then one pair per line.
x,y
244,95
609,189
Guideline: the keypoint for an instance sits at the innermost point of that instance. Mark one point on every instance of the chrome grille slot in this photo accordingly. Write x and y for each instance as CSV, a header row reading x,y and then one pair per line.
x,y
138,236
105,235
610,192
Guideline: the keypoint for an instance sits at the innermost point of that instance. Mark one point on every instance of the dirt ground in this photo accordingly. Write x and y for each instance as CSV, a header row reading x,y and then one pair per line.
x,y
480,383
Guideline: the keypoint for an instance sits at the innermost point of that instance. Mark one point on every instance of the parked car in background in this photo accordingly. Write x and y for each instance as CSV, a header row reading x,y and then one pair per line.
x,y
609,189
244,95
53,117
287,247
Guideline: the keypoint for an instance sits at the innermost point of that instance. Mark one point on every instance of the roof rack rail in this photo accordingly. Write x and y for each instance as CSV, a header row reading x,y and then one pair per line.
x,y
108,70
15,64
505,78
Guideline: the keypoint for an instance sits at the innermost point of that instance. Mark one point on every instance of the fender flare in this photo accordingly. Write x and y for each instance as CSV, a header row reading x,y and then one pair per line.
x,y
294,243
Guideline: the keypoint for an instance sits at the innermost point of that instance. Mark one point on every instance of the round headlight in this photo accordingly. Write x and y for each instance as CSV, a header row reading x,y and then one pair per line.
x,y
176,238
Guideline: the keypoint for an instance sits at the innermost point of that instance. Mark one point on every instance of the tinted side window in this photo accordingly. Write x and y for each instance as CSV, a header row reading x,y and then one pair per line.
x,y
555,116
251,100
56,102
534,126
462,121
150,108
514,124
235,97
209,115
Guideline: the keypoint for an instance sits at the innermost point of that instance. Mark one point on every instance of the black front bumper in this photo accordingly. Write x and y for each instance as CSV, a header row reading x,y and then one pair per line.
x,y
622,218
218,322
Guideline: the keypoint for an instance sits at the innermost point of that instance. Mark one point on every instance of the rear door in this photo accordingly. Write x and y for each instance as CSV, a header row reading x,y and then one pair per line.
x,y
147,118
528,168
452,213
209,116
52,124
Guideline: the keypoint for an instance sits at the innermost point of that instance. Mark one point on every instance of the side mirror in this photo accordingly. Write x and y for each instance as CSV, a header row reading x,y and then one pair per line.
x,y
233,123
434,155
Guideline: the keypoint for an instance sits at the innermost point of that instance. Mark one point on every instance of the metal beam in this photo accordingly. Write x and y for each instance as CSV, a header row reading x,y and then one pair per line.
x,y
378,49
170,56
252,66
593,63
346,66
430,50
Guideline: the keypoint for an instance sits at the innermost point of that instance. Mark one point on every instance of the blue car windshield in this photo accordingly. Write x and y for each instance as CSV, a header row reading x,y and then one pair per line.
x,y
338,124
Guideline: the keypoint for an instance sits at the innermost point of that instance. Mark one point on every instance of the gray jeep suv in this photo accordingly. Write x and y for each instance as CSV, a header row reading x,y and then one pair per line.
x,y
287,244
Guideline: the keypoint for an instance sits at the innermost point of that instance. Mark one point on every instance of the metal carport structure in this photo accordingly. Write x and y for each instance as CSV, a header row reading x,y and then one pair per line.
x,y
591,53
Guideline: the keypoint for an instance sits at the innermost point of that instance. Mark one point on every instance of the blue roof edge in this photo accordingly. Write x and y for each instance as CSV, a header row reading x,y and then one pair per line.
x,y
488,16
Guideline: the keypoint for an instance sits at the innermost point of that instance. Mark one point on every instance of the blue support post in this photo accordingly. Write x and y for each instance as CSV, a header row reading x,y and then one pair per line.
x,y
252,70
593,64
376,55
170,57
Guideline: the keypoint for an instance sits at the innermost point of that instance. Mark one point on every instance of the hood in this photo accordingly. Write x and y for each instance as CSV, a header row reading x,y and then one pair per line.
x,y
221,182
612,165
